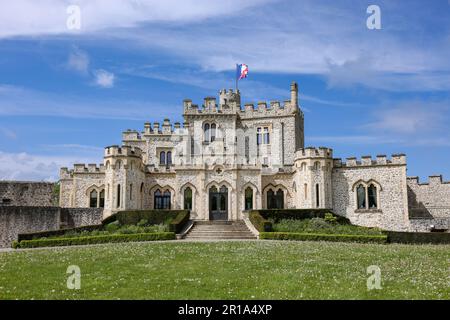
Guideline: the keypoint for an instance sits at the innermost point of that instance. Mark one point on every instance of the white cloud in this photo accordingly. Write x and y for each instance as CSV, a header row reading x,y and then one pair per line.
x,y
78,61
104,79
25,166
30,17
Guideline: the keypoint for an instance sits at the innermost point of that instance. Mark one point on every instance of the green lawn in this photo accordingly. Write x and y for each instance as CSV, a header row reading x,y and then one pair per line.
x,y
228,270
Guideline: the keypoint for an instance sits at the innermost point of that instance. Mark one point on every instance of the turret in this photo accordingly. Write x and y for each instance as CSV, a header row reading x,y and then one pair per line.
x,y
294,94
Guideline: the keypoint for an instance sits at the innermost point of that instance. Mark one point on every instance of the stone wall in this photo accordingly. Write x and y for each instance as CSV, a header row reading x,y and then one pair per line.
x,y
390,178
18,193
428,203
19,219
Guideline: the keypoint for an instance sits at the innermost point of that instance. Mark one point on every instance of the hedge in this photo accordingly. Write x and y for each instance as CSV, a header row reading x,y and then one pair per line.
x,y
298,214
259,222
180,220
322,237
113,238
152,216
418,237
60,232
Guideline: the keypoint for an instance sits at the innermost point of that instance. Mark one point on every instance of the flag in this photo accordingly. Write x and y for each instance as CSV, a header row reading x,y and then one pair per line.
x,y
241,71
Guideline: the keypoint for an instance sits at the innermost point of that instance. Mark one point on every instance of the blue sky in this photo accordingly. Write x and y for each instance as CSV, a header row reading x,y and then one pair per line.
x,y
65,94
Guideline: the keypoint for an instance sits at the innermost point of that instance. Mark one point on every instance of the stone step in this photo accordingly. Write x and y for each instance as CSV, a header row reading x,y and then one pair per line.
x,y
210,230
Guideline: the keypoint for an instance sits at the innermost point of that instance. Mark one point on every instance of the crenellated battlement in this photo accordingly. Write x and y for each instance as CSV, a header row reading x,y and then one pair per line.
x,y
311,152
432,180
81,168
123,151
396,159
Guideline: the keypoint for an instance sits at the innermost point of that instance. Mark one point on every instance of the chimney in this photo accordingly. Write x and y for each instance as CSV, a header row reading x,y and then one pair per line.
x,y
294,94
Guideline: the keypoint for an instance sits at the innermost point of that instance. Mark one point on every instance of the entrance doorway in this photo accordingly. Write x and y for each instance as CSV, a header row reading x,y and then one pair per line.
x,y
218,203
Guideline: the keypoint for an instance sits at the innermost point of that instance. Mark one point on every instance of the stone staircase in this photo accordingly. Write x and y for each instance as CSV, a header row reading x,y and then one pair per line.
x,y
218,230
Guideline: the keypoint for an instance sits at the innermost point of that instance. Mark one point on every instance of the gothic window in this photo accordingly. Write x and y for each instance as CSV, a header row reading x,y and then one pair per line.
x,y
317,196
316,165
118,164
248,198
93,199
361,196
169,158
247,149
162,200
162,158
188,198
275,200
372,195
118,196
102,199
306,191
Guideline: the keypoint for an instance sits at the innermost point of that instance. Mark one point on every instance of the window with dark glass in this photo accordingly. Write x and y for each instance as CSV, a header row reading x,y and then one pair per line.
x,y
372,194
102,199
118,196
169,158
258,136
206,132
213,132
361,196
317,196
162,158
93,199
248,198
162,200
275,200
188,198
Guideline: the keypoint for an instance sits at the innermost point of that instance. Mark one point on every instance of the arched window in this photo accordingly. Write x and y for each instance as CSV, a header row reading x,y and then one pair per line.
x,y
162,158
258,136
169,158
248,198
317,196
306,191
372,195
102,199
162,200
206,132
93,199
361,196
316,165
213,132
188,198
280,199
118,196
118,164
275,200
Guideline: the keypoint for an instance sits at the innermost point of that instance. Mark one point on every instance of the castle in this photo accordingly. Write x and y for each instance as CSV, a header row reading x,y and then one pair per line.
x,y
227,158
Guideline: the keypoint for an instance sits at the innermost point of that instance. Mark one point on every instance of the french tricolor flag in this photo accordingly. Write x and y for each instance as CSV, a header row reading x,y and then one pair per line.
x,y
241,71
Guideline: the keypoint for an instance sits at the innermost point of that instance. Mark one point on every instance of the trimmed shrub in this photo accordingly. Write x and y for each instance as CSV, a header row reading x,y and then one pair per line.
x,y
112,227
418,237
46,234
298,214
322,237
114,238
151,216
177,224
259,222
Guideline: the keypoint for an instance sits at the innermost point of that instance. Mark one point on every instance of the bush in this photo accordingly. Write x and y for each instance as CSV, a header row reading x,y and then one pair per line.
x,y
298,214
54,233
113,238
177,224
259,222
142,223
329,217
151,216
322,237
319,225
418,237
112,227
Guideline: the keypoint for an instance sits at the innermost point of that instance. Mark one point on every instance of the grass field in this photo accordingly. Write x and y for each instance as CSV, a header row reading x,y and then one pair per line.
x,y
228,270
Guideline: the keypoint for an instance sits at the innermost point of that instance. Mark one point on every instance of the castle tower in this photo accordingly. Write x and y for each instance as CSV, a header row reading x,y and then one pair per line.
x,y
313,168
230,99
124,179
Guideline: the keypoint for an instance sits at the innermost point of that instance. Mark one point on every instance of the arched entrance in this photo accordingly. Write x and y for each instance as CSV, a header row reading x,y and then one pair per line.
x,y
218,203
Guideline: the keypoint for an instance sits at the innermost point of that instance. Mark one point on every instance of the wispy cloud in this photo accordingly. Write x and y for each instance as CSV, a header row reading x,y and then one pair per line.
x,y
25,166
78,60
104,79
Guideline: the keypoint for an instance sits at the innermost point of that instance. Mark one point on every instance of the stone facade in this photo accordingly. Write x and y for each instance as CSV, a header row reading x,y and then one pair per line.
x,y
23,193
227,157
